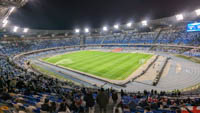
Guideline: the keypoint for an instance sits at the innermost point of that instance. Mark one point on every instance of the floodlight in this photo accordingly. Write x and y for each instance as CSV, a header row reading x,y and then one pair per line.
x,y
129,24
15,29
25,30
197,12
179,17
105,28
116,26
144,23
77,30
86,30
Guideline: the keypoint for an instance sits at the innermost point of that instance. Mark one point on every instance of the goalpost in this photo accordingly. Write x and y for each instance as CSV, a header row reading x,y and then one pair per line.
x,y
142,61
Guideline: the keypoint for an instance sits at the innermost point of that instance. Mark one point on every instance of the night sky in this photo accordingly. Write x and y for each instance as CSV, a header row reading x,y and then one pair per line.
x,y
68,14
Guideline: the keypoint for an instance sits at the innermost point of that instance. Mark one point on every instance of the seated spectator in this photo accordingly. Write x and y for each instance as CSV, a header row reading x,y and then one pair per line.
x,y
77,105
147,110
63,108
126,108
179,111
132,105
5,95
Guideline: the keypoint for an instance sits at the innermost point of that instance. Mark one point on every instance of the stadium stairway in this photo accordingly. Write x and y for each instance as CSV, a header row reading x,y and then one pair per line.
x,y
156,38
103,40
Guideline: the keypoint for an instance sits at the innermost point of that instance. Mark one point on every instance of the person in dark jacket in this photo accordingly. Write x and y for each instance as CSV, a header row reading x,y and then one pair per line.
x,y
20,84
53,107
64,107
102,100
122,93
89,102
114,97
2,84
45,106
5,95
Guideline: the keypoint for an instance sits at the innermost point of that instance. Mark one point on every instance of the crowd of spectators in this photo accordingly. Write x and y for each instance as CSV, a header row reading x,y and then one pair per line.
x,y
16,47
170,36
22,90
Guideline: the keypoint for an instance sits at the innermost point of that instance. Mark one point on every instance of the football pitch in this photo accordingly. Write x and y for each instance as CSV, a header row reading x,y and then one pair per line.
x,y
109,65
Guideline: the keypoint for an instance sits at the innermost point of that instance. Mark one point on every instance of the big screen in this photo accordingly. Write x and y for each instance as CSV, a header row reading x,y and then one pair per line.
x,y
193,27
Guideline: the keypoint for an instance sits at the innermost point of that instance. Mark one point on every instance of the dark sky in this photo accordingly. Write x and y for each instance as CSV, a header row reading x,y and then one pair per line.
x,y
68,14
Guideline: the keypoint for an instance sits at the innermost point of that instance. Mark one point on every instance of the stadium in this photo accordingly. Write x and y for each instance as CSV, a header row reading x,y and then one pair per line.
x,y
144,63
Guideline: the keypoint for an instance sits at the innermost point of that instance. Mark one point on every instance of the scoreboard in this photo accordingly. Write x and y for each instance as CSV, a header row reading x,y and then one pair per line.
x,y
192,27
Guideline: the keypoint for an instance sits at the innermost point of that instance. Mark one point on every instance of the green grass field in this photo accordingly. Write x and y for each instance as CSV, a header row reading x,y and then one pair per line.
x,y
109,65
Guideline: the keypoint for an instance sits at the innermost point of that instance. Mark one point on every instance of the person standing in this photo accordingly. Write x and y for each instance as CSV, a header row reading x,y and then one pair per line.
x,y
102,100
114,97
89,101
2,84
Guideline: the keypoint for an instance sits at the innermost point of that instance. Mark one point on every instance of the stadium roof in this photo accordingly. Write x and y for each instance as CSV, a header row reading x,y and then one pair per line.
x,y
69,14
167,21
